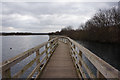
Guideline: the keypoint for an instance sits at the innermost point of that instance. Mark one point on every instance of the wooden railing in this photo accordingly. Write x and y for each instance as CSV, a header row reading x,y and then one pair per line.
x,y
49,48
103,69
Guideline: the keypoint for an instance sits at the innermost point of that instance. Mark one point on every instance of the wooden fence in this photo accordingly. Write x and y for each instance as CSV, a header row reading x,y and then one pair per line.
x,y
49,49
103,69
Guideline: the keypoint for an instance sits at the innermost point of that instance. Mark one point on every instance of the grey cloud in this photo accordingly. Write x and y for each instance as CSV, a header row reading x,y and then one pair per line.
x,y
52,8
46,16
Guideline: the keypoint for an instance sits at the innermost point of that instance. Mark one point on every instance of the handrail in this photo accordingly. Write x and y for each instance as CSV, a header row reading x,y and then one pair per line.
x,y
6,65
104,70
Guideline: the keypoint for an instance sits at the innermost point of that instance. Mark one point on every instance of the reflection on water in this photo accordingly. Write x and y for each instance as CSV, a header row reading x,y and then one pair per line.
x,y
14,45
108,52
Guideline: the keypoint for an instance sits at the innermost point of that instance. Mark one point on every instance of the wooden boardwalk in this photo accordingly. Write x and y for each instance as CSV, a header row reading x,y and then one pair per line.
x,y
60,64
57,62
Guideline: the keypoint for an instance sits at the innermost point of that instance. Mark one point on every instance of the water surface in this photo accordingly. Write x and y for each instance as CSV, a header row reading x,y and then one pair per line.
x,y
14,45
108,52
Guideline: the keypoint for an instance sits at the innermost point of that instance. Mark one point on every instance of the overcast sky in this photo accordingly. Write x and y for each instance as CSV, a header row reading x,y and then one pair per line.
x,y
48,16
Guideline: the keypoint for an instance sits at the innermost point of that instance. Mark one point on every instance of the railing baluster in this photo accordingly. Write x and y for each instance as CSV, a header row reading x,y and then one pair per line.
x,y
99,75
80,54
74,47
74,59
38,61
50,45
46,51
6,73
6,67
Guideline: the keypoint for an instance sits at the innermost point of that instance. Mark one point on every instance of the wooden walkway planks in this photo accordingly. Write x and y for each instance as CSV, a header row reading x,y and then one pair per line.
x,y
60,65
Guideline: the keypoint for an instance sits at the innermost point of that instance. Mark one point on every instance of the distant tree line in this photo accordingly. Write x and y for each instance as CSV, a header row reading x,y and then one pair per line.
x,y
104,26
22,33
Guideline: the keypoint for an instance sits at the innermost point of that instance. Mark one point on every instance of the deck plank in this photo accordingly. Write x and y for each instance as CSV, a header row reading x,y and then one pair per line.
x,y
60,65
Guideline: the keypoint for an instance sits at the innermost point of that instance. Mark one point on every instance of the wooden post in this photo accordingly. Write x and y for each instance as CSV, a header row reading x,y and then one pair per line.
x,y
71,47
65,41
6,73
99,75
56,44
46,51
50,47
70,43
50,38
74,47
57,41
38,61
80,54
